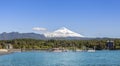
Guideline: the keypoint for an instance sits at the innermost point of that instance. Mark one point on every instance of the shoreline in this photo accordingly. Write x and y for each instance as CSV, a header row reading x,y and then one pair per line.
x,y
9,51
5,53
19,50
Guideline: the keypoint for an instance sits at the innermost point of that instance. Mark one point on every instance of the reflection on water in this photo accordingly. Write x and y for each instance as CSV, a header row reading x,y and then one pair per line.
x,y
99,58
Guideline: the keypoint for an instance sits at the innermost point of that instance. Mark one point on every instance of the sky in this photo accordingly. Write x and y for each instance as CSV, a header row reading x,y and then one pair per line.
x,y
91,18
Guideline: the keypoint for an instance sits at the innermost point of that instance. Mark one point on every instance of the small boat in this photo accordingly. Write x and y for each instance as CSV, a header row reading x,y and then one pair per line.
x,y
56,50
79,50
91,50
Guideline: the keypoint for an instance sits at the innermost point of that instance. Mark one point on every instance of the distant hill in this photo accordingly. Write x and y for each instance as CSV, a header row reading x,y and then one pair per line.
x,y
16,35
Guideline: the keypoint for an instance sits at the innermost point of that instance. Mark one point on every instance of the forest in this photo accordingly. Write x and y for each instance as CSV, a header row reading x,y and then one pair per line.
x,y
68,44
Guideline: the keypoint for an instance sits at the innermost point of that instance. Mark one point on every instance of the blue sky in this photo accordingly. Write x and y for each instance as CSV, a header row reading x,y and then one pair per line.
x,y
91,18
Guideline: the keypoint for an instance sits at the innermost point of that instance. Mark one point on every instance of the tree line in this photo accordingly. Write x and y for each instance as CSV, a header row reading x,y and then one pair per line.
x,y
68,44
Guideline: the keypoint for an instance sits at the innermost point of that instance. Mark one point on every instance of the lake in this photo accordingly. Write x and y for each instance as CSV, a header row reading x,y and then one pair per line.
x,y
42,58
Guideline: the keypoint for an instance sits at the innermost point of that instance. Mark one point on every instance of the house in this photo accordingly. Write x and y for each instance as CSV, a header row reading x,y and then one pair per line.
x,y
110,45
8,46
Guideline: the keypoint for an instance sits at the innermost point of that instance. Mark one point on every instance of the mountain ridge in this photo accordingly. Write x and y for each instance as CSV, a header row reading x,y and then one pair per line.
x,y
17,35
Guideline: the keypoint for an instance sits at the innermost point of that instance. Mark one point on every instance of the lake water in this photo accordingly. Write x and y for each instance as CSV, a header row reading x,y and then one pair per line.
x,y
40,58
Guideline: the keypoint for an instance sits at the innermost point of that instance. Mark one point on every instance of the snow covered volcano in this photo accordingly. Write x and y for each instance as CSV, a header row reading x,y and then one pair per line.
x,y
63,32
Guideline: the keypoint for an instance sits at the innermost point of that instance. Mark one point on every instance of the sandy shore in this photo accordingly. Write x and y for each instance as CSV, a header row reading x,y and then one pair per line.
x,y
4,52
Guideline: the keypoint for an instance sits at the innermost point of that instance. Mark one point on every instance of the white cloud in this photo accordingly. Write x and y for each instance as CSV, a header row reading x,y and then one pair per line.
x,y
39,29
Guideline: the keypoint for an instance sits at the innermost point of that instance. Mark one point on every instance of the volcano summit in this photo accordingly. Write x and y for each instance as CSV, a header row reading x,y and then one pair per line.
x,y
63,32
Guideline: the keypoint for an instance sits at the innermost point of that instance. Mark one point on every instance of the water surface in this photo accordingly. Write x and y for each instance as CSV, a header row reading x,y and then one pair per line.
x,y
40,58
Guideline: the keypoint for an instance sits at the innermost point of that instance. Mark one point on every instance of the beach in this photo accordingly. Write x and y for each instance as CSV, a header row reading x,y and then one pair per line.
x,y
5,51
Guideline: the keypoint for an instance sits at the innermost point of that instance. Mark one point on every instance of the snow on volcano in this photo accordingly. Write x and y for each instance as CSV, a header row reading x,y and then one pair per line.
x,y
63,32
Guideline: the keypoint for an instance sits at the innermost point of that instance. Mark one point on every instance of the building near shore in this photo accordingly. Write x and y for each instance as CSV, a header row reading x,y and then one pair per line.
x,y
8,46
110,45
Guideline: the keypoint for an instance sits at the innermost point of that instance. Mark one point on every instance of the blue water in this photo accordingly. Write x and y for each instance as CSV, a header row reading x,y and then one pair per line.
x,y
39,58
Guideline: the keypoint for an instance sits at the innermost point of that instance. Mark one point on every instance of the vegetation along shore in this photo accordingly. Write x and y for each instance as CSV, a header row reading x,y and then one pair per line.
x,y
27,44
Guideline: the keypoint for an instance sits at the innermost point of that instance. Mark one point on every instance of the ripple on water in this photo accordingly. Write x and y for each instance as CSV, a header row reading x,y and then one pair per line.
x,y
99,58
